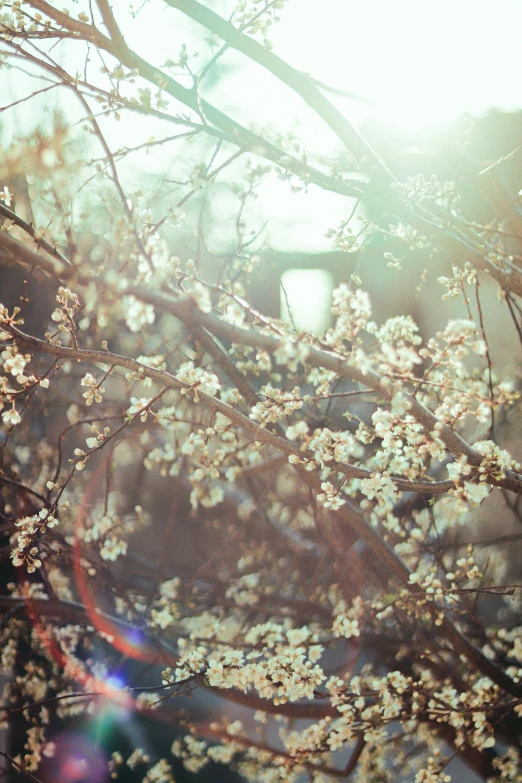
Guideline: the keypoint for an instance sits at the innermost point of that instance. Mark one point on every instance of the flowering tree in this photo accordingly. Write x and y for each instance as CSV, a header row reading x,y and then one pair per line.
x,y
338,622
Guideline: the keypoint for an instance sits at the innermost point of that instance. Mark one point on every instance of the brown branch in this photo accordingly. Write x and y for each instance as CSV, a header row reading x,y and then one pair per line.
x,y
355,756
110,23
185,310
19,767
69,611
390,561
295,711
29,229
83,30
6,480
15,252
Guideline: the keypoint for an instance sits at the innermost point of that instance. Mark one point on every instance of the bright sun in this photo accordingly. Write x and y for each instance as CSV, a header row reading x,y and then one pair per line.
x,y
419,63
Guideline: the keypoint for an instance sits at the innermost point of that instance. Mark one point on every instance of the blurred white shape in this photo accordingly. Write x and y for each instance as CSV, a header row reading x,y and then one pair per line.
x,y
306,298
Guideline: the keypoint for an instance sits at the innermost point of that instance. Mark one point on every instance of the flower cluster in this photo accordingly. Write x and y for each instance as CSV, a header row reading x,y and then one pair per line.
x,y
137,314
353,310
25,553
330,496
197,379
68,306
167,611
291,354
277,404
94,391
330,447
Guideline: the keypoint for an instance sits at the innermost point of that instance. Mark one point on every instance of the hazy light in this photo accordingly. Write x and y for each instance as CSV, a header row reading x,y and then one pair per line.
x,y
415,63
306,298
418,63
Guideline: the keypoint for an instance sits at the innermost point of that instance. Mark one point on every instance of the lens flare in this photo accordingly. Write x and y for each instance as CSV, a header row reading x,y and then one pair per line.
x,y
76,759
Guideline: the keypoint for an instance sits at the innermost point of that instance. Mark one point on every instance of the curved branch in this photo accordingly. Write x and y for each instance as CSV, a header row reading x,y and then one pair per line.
x,y
15,252
30,230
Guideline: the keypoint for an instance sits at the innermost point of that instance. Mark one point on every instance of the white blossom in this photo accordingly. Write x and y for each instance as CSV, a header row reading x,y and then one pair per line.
x,y
137,314
11,417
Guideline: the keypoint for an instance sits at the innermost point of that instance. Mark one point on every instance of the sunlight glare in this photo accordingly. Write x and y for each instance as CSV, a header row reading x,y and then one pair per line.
x,y
306,298
417,63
